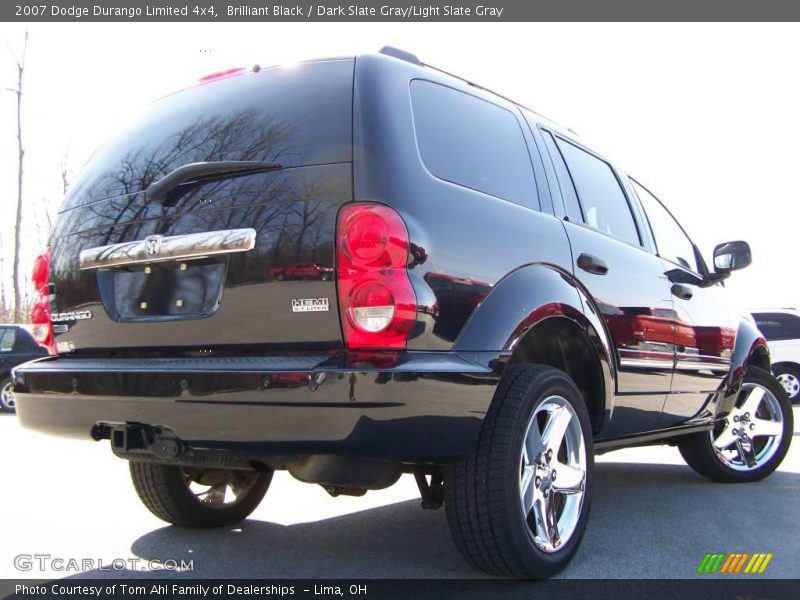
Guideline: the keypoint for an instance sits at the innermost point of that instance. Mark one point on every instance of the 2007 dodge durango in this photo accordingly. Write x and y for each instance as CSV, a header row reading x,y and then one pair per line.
x,y
355,268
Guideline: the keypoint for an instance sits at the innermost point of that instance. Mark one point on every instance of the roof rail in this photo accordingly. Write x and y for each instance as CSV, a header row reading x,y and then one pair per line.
x,y
401,54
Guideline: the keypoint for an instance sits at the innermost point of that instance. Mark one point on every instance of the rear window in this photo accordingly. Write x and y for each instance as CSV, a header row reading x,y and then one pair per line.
x,y
300,115
473,143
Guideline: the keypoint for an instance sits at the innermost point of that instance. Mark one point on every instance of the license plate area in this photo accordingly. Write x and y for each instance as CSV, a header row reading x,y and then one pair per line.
x,y
163,291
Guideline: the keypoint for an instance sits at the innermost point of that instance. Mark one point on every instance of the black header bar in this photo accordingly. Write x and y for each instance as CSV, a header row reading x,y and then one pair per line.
x,y
398,10
176,587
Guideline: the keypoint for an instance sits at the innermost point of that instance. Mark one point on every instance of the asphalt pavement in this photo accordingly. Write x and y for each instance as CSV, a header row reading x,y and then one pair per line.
x,y
652,517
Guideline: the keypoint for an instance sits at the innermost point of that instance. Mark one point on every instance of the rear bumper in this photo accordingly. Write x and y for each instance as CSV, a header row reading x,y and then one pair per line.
x,y
411,407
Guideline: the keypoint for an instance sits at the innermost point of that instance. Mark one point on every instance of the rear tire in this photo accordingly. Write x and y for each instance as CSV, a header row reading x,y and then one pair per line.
x,y
167,493
752,441
508,513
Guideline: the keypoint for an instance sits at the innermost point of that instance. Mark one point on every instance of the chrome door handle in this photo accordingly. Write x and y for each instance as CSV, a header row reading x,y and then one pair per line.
x,y
684,292
592,264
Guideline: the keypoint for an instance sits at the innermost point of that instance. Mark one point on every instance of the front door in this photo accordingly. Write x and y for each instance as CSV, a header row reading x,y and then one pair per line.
x,y
705,328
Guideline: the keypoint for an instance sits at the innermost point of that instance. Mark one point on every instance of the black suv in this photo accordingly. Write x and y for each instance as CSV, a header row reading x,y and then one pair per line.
x,y
504,303
16,347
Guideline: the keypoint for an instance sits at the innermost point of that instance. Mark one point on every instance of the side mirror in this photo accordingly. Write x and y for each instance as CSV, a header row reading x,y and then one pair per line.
x,y
731,256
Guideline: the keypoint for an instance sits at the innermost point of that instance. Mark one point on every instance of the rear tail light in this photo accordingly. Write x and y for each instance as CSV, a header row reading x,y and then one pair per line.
x,y
376,300
41,273
42,325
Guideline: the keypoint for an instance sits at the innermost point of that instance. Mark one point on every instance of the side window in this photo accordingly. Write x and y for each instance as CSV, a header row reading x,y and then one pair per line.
x,y
7,339
472,143
778,326
671,242
604,205
571,204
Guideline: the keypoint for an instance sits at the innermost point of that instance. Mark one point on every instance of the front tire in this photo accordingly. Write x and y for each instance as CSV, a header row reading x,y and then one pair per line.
x,y
198,498
518,505
751,442
7,402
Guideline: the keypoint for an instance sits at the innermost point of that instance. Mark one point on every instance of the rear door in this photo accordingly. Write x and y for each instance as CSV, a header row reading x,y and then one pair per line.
x,y
202,267
626,281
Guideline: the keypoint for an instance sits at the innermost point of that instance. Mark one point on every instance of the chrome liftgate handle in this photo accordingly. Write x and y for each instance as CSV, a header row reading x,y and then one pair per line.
x,y
157,248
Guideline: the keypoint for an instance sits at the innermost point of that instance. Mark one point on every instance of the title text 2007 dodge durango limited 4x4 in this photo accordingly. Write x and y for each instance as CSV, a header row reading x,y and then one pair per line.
x,y
502,303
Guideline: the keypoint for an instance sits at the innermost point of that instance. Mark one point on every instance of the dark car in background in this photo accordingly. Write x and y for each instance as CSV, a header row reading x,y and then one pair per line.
x,y
17,346
503,303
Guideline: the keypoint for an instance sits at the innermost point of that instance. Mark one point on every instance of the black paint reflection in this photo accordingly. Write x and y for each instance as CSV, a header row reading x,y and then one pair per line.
x,y
456,299
302,271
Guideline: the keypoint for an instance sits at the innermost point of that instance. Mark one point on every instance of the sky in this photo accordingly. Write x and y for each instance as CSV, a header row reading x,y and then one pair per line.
x,y
705,115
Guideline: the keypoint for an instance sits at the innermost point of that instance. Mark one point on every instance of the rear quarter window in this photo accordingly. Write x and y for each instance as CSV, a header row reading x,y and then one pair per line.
x,y
472,143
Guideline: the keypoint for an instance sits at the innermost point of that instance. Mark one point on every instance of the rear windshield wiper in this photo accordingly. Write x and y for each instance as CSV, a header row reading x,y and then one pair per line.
x,y
160,191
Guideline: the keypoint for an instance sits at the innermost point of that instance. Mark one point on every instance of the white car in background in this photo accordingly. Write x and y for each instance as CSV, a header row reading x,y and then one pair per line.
x,y
781,327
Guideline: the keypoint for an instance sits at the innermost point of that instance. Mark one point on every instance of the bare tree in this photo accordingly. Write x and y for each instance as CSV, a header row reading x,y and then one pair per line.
x,y
17,280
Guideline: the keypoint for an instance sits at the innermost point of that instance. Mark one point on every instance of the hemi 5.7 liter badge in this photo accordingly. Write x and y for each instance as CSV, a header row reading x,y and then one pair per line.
x,y
310,305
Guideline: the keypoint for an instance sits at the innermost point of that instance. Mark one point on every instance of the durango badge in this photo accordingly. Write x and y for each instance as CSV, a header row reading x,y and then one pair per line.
x,y
309,305
73,315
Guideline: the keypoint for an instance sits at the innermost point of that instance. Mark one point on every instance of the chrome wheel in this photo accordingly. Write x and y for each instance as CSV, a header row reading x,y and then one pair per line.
x,y
791,384
219,488
751,434
552,473
7,396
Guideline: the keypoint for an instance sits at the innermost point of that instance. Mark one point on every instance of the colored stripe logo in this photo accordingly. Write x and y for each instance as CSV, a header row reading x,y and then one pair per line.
x,y
734,563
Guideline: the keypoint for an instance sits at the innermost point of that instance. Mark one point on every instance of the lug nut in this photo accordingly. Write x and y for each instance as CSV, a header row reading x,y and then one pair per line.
x,y
752,426
553,476
538,481
735,432
736,419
